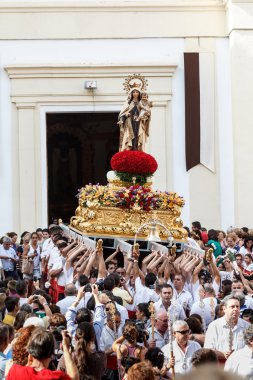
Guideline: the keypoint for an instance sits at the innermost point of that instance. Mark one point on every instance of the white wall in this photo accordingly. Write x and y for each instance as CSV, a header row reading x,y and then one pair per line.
x,y
164,51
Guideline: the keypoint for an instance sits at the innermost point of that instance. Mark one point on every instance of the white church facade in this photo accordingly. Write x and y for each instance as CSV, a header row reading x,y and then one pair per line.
x,y
50,49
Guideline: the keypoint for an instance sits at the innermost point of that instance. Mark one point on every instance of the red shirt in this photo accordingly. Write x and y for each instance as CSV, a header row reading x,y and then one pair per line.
x,y
29,373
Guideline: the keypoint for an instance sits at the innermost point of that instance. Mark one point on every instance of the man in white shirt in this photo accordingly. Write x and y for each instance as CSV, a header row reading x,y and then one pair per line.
x,y
225,334
180,294
241,361
237,286
161,335
183,348
9,258
206,306
144,293
164,304
70,296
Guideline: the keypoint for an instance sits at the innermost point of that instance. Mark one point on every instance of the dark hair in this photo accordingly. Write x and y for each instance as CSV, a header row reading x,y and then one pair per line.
x,y
249,256
196,225
83,315
85,334
55,230
110,262
109,283
4,334
20,319
46,230
22,235
21,287
131,96
204,356
11,234
150,279
166,286
188,230
248,313
155,356
213,235
26,307
116,278
83,280
94,273
246,239
39,230
194,324
128,361
41,344
54,308
10,303
144,308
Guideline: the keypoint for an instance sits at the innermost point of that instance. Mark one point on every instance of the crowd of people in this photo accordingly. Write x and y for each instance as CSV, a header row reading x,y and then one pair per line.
x,y
71,312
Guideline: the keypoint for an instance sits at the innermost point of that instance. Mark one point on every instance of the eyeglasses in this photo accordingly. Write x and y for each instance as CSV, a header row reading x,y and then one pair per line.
x,y
161,320
184,332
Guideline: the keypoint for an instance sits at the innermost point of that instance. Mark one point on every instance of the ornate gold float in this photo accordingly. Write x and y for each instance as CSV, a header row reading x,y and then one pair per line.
x,y
100,211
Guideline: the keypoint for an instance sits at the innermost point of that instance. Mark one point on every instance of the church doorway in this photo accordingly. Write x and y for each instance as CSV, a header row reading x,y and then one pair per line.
x,y
79,150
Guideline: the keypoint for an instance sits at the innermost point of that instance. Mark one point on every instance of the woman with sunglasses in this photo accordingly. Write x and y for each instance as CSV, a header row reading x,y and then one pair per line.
x,y
183,348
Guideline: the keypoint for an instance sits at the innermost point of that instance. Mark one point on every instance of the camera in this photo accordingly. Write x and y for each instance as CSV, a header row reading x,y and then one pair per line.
x,y
100,285
57,333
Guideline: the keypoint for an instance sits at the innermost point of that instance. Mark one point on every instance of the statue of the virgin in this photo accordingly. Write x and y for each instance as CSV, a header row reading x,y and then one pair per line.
x,y
134,119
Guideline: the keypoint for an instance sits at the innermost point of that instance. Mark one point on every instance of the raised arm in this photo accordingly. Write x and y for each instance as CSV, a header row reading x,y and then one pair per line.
x,y
102,272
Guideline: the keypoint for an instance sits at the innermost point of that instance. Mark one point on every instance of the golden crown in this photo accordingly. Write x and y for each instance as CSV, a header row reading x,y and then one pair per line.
x,y
135,81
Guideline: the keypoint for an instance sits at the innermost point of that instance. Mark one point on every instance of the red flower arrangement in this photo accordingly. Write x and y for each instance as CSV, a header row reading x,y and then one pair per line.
x,y
134,161
136,197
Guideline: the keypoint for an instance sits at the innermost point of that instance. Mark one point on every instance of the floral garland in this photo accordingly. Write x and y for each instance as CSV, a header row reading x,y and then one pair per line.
x,y
135,197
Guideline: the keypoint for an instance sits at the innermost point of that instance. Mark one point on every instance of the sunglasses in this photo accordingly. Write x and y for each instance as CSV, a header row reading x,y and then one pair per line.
x,y
184,332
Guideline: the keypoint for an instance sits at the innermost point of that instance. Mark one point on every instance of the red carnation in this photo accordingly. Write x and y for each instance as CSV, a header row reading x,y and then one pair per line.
x,y
133,161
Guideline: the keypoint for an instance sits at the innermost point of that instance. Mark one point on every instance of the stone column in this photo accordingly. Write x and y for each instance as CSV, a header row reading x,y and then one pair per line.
x,y
27,172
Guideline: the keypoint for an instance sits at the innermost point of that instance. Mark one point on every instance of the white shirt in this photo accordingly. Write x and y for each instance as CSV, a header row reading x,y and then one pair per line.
x,y
65,303
182,359
61,278
161,340
208,310
224,275
184,298
123,313
217,335
53,255
175,310
243,251
36,259
241,363
144,294
107,338
47,246
131,290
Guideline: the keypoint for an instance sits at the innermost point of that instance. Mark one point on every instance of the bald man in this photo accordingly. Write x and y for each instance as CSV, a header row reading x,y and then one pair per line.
x,y
161,335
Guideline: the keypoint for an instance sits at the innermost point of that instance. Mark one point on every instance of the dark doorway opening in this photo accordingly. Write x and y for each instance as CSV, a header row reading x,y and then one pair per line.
x,y
79,150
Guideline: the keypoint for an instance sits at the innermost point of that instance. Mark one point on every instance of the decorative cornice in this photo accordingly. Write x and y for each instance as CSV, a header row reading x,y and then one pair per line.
x,y
111,6
94,71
